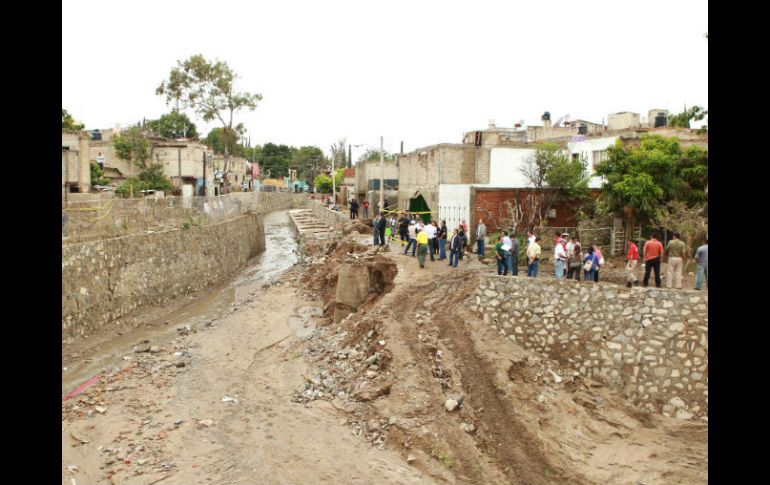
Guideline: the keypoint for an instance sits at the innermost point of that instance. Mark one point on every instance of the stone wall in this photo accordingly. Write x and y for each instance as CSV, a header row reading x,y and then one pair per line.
x,y
108,279
649,344
327,216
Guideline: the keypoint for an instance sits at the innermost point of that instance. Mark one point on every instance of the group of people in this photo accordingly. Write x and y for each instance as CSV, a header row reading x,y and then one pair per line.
x,y
354,206
677,260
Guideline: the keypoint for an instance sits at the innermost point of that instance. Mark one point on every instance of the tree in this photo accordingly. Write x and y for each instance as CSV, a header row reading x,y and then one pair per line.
x,y
173,125
323,184
307,160
689,221
554,174
640,180
68,122
682,120
339,150
225,141
132,145
374,155
207,88
97,175
275,158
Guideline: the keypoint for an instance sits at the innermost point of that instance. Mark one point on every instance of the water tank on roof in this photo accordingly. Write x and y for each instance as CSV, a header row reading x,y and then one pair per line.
x,y
583,129
661,120
96,135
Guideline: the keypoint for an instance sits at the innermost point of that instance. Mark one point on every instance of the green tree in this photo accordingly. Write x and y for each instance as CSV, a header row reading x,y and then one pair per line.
x,y
173,125
554,174
641,180
225,141
308,161
323,184
97,175
374,155
274,158
68,122
682,120
132,145
207,87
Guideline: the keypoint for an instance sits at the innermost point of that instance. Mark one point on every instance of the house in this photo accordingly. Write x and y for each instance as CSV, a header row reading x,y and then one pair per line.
x,y
76,166
366,185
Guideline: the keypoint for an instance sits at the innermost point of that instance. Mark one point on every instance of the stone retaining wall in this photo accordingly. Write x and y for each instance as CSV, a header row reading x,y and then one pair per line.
x,y
110,278
650,344
329,217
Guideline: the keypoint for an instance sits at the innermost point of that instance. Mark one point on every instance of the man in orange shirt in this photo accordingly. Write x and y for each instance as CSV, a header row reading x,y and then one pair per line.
x,y
653,254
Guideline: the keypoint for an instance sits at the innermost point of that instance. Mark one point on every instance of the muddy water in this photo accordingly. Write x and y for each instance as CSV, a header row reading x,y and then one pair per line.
x,y
279,256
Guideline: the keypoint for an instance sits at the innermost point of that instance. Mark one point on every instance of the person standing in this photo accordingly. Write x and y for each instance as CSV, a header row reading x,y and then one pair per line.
x,y
677,259
575,259
464,237
376,226
100,160
412,233
653,253
591,261
533,258
392,226
507,245
502,266
442,236
514,256
422,247
632,258
455,248
404,228
464,225
559,260
430,231
381,226
702,262
481,233
567,243
599,260
365,205
353,209
530,237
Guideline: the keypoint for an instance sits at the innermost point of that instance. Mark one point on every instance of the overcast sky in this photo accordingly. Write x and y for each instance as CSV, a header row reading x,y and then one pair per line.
x,y
419,71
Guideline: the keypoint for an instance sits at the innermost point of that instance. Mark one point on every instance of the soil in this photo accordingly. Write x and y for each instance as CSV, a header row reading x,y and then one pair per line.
x,y
273,392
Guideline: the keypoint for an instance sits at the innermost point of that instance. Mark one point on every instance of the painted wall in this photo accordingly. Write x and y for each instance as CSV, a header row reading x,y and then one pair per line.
x,y
454,204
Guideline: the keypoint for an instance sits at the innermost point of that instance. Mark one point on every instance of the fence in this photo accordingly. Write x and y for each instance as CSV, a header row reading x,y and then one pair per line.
x,y
106,216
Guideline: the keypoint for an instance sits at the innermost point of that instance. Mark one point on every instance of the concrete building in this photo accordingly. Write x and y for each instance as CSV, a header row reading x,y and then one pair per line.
x,y
367,180
76,166
623,120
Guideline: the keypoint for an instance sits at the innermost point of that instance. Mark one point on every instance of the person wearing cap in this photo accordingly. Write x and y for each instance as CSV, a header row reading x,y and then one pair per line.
x,y
412,232
632,258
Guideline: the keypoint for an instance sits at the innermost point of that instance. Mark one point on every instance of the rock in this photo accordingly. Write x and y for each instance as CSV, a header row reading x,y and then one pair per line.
x,y
205,423
154,349
682,414
541,398
410,458
141,348
677,402
371,390
180,364
100,409
450,405
468,427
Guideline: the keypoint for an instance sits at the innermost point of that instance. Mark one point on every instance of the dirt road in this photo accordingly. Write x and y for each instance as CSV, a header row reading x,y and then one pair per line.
x,y
270,392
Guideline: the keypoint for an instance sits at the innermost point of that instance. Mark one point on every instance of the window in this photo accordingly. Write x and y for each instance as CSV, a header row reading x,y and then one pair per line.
x,y
599,156
575,157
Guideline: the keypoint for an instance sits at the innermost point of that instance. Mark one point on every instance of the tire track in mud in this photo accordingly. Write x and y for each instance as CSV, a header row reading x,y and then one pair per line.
x,y
501,436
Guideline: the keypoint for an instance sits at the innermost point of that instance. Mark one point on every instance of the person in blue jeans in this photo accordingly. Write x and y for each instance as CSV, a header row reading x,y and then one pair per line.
x,y
412,239
533,257
442,235
375,225
589,275
455,248
702,268
502,266
481,233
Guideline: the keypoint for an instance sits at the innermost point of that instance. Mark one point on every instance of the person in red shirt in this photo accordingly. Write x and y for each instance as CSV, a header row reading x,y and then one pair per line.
x,y
653,254
632,258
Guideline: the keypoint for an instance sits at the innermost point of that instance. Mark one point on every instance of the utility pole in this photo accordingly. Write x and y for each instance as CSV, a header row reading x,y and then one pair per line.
x,y
179,163
382,177
350,156
334,179
204,174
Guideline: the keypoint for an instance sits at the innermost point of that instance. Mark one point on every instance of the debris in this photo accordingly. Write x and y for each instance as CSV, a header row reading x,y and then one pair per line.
x,y
451,404
205,423
100,409
229,399
556,377
541,398
410,458
81,440
468,427
154,349
72,468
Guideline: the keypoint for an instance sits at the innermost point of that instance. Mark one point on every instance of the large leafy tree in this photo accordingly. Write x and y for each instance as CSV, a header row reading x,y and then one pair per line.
x,y
639,181
68,122
173,125
372,154
682,120
274,158
208,88
226,141
132,145
554,174
308,161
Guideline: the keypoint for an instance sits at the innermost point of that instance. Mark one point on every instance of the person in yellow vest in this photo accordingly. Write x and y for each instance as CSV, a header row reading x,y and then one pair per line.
x,y
422,247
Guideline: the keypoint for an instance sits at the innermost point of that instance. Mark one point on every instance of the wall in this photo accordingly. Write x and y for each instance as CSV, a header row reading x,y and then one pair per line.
x,y
107,279
619,121
329,217
651,345
454,204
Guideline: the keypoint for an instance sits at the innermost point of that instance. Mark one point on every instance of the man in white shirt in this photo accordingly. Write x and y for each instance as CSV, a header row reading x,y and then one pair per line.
x,y
530,237
506,247
430,230
559,260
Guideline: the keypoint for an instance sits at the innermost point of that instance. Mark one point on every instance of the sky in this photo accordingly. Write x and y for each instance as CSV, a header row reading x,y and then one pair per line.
x,y
421,72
